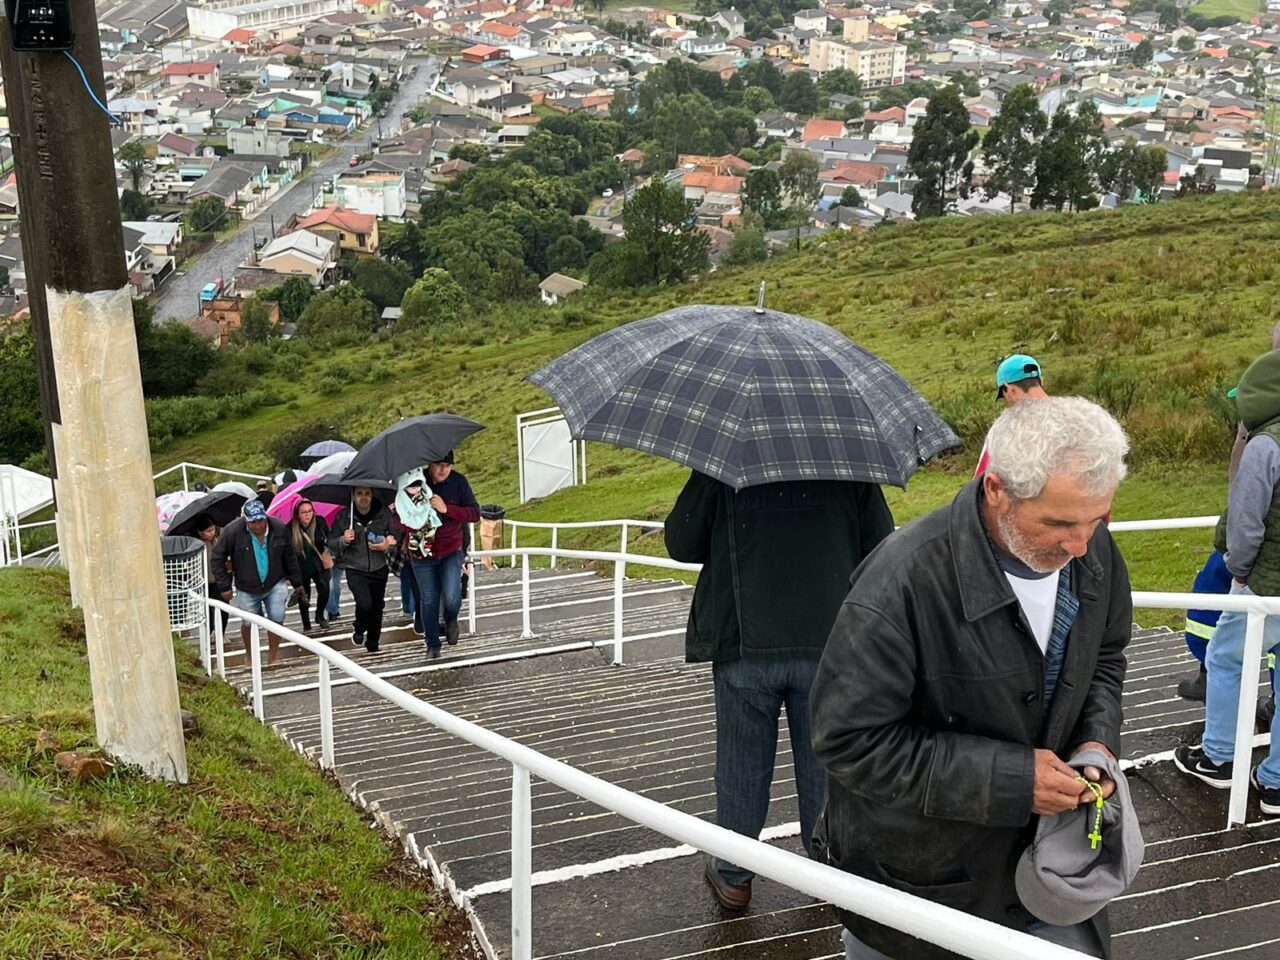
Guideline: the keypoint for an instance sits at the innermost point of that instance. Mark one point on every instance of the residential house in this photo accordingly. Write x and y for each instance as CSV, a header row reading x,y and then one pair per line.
x,y
204,74
174,145
469,86
258,141
817,21
162,239
697,46
730,21
742,47
212,21
220,317
301,254
817,129
879,64
482,53
226,181
700,185
355,233
557,286
778,125
509,106
373,190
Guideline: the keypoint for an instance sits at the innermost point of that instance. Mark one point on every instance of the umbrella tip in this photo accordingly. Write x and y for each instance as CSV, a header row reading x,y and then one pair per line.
x,y
760,298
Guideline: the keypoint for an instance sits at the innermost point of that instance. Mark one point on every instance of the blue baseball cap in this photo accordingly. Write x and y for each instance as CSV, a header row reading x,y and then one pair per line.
x,y
1013,369
254,510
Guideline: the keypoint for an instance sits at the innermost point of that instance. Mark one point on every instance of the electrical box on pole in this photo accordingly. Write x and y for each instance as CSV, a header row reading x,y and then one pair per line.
x,y
40,24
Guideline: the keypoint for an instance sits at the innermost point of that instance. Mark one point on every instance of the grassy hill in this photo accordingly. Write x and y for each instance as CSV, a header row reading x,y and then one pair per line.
x,y
1153,311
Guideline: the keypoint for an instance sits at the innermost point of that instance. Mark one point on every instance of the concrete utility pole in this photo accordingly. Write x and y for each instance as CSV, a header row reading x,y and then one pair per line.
x,y
91,390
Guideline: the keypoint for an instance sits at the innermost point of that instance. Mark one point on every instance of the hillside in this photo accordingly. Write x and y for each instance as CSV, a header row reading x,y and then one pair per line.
x,y
1153,311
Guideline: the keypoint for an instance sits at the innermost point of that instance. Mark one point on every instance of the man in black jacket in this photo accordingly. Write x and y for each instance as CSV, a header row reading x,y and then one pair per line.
x,y
263,566
776,564
977,648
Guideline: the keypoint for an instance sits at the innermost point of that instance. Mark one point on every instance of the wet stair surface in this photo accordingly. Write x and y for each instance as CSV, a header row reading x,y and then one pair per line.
x,y
607,889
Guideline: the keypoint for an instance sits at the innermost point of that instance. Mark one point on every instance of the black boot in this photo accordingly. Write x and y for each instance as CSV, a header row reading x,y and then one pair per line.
x,y
1193,688
1266,713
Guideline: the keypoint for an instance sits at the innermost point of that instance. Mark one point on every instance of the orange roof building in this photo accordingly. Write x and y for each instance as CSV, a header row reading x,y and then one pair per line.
x,y
822,130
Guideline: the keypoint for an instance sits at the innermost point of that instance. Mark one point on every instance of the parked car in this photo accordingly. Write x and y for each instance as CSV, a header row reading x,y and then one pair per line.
x,y
607,193
210,290
353,162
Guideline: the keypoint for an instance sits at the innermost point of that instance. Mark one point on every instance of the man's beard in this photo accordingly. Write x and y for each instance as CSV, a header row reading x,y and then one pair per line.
x,y
1041,561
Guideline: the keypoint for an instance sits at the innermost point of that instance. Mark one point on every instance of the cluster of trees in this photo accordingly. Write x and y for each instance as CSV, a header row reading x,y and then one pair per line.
x,y
1064,162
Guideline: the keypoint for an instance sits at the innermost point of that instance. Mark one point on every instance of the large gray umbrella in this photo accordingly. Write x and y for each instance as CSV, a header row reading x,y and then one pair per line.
x,y
748,396
408,443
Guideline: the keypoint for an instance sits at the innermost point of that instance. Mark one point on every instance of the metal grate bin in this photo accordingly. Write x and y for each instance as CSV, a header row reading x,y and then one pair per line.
x,y
185,582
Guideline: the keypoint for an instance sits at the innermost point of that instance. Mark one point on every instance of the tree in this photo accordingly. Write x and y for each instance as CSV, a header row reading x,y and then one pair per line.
x,y
566,252
939,154
762,192
1195,184
255,322
434,300
383,282
1133,171
1143,52
799,95
967,83
470,152
747,245
135,206
762,73
206,215
134,157
839,80
21,423
1186,43
1013,143
850,197
293,296
1069,157
798,175
342,309
171,357
757,100
662,242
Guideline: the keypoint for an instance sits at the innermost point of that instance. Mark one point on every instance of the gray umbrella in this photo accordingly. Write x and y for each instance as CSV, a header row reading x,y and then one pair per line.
x,y
326,448
747,396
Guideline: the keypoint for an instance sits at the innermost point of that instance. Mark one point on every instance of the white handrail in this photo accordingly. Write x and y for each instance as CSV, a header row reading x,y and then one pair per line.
x,y
952,929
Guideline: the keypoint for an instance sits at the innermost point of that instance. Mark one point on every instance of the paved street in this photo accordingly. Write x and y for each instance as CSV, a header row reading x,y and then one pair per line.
x,y
180,297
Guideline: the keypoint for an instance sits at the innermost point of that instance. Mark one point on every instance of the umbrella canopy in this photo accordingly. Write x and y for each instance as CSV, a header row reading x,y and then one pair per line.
x,y
284,501
334,463
222,506
409,443
235,486
333,489
327,448
168,505
747,396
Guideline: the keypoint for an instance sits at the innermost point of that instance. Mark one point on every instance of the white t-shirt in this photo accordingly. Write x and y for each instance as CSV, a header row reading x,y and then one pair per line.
x,y
1039,601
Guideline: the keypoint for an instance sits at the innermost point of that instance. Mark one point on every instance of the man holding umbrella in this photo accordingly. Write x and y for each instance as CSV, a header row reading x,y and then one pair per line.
x,y
360,541
789,428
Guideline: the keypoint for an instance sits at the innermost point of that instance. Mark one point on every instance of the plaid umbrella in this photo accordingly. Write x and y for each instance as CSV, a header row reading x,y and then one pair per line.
x,y
747,396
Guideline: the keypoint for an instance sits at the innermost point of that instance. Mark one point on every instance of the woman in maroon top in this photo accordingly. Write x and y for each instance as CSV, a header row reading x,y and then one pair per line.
x,y
437,565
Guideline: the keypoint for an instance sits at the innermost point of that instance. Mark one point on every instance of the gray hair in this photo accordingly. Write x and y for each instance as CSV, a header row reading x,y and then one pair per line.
x,y
1039,437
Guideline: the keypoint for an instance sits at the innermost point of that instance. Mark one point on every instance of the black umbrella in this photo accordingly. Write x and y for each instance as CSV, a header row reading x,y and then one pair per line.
x,y
332,488
222,506
408,443
747,396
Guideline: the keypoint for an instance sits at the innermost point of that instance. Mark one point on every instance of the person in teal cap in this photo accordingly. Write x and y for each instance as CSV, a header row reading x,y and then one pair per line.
x,y
1017,379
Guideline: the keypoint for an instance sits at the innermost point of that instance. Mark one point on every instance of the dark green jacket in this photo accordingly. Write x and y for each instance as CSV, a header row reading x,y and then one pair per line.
x,y
776,558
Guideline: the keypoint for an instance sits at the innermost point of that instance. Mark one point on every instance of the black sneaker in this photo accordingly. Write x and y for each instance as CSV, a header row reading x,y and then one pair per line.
x,y
1265,714
1193,688
433,653
358,639
1268,797
1192,761
372,647
451,633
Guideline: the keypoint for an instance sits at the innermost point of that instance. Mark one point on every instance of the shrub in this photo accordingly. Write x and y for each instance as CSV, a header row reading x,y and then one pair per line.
x,y
285,449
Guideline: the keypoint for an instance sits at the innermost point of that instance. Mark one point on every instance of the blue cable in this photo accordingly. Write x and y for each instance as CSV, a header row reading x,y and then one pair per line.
x,y
103,106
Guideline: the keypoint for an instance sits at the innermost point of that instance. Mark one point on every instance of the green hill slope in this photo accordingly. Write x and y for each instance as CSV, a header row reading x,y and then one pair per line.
x,y
1153,311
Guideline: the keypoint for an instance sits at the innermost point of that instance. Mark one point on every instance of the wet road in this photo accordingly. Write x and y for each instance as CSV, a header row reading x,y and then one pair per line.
x,y
180,297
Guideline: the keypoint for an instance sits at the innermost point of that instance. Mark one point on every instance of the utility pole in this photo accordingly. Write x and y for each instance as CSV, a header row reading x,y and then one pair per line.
x,y
90,384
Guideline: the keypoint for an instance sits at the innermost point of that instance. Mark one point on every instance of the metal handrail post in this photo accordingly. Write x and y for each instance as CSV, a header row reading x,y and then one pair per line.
x,y
220,643
255,666
326,717
555,545
515,535
521,864
185,485
1253,635
619,576
206,659
526,631
626,535
471,598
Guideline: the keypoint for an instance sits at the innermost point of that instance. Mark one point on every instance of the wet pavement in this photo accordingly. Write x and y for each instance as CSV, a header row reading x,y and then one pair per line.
x,y
607,889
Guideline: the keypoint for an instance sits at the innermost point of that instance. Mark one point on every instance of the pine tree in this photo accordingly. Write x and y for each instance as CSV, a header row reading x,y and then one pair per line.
x,y
1012,145
939,155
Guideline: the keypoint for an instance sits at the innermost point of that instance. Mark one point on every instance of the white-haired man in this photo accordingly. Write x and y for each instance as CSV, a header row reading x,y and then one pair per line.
x,y
978,648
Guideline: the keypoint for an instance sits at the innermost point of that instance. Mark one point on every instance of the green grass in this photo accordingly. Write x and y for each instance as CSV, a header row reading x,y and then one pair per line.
x,y
1242,10
1154,311
257,856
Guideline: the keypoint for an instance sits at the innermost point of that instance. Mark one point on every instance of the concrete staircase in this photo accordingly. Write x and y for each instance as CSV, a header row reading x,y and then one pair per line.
x,y
606,889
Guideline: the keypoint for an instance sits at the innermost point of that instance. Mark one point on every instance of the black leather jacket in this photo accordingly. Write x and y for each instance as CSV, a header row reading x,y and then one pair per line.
x,y
927,711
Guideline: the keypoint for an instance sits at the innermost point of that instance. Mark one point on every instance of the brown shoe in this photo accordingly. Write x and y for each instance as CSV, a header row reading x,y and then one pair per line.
x,y
731,896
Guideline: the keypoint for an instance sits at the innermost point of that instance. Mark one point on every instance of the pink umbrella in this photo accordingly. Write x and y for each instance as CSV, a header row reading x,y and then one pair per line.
x,y
282,506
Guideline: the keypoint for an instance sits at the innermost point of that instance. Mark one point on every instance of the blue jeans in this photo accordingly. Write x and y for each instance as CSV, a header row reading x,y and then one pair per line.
x,y
439,584
408,602
335,590
269,603
750,696
1225,663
